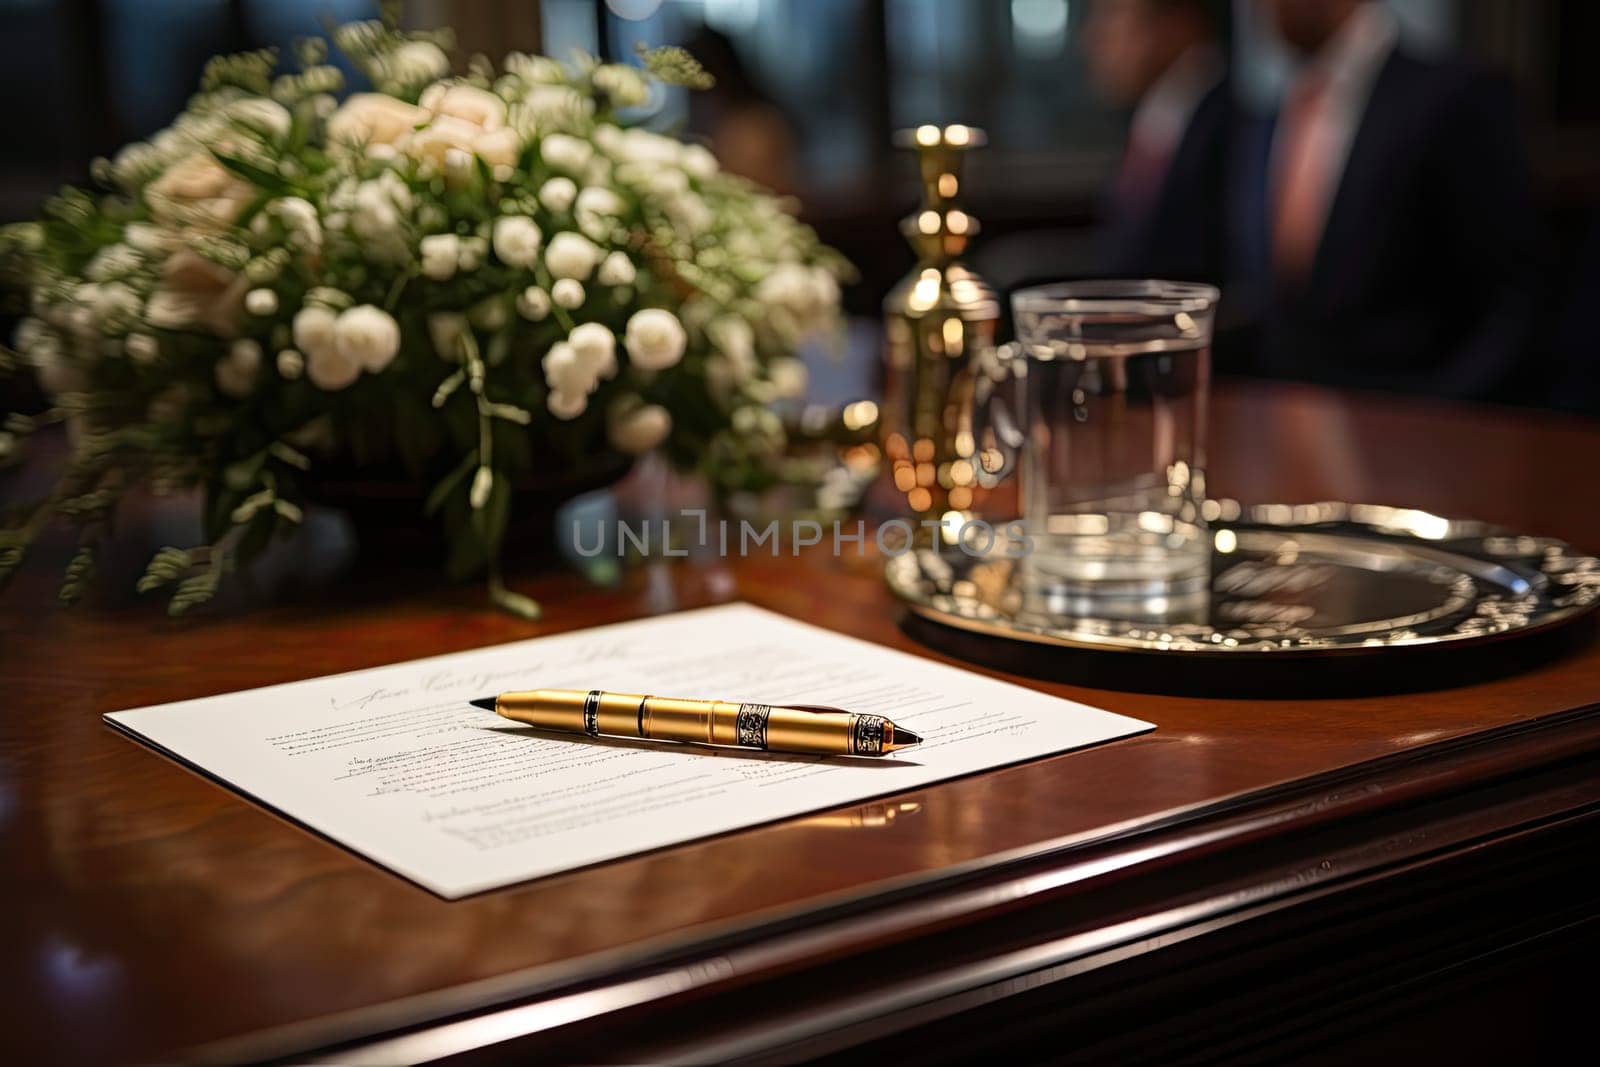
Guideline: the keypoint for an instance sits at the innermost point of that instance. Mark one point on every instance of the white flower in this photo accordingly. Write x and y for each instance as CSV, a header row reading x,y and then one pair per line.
x,y
655,339
450,143
441,252
786,285
142,348
331,369
375,213
31,333
535,68
198,193
417,61
236,372
558,193
291,364
566,372
368,335
555,105
690,214
597,204
734,338
616,269
624,84
699,162
113,261
374,118
500,149
636,429
473,250
116,307
571,255
641,146
598,172
299,218
153,239
789,377
824,289
567,293
259,113
516,240
445,330
533,303
261,301
469,104
596,346
566,405
565,152
313,331
665,182
196,293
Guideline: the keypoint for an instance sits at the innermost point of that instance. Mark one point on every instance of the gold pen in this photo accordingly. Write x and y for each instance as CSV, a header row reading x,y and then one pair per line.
x,y
773,727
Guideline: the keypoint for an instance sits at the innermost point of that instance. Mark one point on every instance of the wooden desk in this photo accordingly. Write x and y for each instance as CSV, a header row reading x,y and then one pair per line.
x,y
1312,877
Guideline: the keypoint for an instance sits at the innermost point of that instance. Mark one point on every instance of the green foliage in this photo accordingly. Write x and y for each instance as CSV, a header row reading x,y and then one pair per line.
x,y
672,65
78,573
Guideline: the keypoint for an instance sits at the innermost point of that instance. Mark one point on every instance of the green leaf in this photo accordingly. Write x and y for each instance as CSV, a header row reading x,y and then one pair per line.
x,y
167,565
672,65
448,483
252,504
291,456
511,413
447,387
524,607
242,475
261,177
79,571
489,521
194,591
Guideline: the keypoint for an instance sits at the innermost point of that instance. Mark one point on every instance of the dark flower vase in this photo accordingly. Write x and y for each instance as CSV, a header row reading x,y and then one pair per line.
x,y
385,508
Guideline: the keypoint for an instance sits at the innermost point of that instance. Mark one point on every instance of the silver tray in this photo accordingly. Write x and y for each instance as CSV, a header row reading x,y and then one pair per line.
x,y
1298,580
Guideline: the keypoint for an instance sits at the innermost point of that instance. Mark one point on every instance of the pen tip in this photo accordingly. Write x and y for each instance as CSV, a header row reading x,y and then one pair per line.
x,y
904,738
486,703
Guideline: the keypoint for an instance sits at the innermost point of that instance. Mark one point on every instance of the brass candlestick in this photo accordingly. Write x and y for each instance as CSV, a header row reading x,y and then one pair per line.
x,y
938,320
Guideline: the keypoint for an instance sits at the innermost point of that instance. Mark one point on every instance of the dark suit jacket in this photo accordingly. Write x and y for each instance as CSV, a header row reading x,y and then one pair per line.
x,y
1427,274
1177,234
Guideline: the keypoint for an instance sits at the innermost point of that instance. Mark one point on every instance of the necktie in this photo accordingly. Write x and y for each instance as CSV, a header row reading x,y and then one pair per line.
x,y
1143,167
1303,180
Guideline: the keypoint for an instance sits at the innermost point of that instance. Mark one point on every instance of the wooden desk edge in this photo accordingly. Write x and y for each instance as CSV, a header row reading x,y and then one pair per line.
x,y
544,1002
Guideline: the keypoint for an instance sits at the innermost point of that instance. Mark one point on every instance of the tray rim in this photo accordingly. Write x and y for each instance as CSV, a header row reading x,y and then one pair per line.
x,y
1254,516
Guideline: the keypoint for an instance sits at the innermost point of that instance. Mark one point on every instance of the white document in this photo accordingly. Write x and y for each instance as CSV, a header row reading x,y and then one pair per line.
x,y
393,762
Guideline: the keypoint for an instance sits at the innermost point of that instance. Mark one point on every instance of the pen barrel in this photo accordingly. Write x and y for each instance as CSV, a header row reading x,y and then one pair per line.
x,y
826,733
592,712
815,730
706,722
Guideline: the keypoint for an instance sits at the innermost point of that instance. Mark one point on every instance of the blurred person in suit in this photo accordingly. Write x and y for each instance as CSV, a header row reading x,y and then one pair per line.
x,y
748,131
1162,59
1382,227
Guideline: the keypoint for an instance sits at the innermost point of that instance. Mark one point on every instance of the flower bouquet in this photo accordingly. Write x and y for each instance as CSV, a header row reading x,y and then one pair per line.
x,y
475,280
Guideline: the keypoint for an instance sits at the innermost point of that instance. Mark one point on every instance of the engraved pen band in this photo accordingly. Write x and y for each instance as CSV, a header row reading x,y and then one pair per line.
x,y
806,728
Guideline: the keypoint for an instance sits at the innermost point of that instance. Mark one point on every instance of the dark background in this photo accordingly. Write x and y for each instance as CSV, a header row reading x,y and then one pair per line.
x,y
83,77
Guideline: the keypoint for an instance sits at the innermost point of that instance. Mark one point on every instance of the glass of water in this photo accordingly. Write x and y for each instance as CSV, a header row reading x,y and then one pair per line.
x,y
1111,390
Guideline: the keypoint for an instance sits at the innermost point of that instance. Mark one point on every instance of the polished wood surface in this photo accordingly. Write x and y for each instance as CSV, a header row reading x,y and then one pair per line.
x,y
149,911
